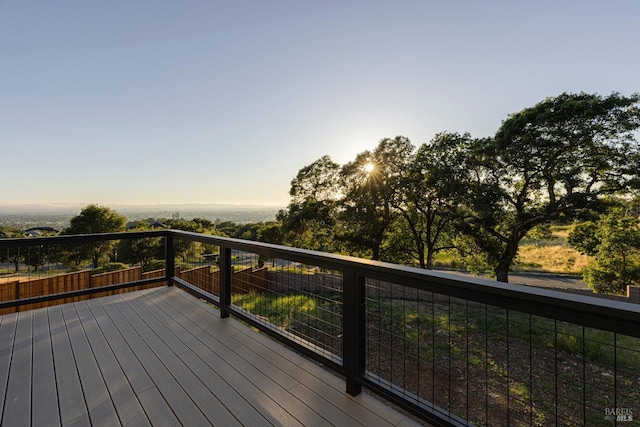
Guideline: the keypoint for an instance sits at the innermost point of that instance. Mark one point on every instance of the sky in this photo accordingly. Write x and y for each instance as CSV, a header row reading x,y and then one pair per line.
x,y
186,101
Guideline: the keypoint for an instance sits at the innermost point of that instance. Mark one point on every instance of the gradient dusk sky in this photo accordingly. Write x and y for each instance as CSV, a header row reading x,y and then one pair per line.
x,y
136,101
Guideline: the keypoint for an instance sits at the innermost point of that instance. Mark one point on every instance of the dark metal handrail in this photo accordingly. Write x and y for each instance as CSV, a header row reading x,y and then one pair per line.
x,y
614,316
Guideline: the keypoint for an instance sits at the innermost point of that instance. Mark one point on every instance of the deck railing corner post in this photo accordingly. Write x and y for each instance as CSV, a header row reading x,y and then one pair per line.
x,y
353,330
170,259
225,281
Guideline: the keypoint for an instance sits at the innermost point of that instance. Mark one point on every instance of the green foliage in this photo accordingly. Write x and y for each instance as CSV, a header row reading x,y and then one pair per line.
x,y
563,155
369,195
196,225
430,196
540,232
474,257
154,264
96,219
13,256
92,219
310,220
560,160
142,251
291,311
185,250
108,267
583,238
617,253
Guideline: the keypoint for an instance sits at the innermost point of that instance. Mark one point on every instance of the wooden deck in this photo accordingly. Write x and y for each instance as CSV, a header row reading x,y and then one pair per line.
x,y
161,357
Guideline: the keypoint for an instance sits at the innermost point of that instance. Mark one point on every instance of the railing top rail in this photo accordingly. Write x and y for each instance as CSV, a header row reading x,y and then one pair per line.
x,y
590,311
79,238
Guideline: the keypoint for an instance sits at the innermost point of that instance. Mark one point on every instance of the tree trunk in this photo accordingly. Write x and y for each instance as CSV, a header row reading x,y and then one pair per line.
x,y
375,253
502,273
429,258
505,261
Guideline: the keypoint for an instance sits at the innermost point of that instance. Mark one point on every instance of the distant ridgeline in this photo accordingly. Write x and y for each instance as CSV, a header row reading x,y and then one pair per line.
x,y
58,218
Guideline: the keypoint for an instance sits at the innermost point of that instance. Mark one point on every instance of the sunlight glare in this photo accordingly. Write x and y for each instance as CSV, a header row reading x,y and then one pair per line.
x,y
368,168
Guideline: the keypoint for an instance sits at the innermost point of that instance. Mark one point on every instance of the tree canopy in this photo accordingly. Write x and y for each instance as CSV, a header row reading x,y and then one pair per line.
x,y
614,242
96,219
553,161
93,219
558,157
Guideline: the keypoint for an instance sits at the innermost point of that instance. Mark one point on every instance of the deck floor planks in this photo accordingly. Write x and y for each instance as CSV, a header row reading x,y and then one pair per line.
x,y
260,374
236,377
260,387
322,383
153,403
181,404
164,358
325,399
99,404
163,345
128,408
73,408
199,359
133,370
7,337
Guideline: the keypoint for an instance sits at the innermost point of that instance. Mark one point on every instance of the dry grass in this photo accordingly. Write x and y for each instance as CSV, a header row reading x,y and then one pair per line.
x,y
552,259
552,256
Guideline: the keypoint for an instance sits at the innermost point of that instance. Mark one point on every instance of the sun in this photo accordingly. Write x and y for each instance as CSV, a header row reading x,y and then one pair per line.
x,y
369,167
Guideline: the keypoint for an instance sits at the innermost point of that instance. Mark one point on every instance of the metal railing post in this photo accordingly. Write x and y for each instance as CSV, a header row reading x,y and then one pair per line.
x,y
170,259
225,281
353,343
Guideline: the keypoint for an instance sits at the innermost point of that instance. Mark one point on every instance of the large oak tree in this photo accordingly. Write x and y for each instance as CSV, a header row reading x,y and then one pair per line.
x,y
558,157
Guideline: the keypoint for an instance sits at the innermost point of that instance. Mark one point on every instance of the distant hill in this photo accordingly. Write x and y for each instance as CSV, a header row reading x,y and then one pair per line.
x,y
58,215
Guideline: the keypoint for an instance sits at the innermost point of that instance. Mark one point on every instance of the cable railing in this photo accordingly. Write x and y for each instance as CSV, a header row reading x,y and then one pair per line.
x,y
451,350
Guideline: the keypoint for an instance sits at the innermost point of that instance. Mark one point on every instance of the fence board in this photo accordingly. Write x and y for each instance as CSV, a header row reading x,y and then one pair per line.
x,y
203,278
8,293
114,277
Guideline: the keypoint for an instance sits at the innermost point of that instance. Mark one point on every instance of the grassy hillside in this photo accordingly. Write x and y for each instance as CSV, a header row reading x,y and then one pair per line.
x,y
552,256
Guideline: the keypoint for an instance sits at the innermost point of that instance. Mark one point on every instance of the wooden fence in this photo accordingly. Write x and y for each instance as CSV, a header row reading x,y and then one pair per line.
x,y
22,289
246,280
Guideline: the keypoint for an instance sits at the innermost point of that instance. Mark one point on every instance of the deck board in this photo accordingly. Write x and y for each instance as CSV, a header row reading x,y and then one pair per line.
x,y
162,357
264,392
44,388
7,338
97,397
71,403
18,406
